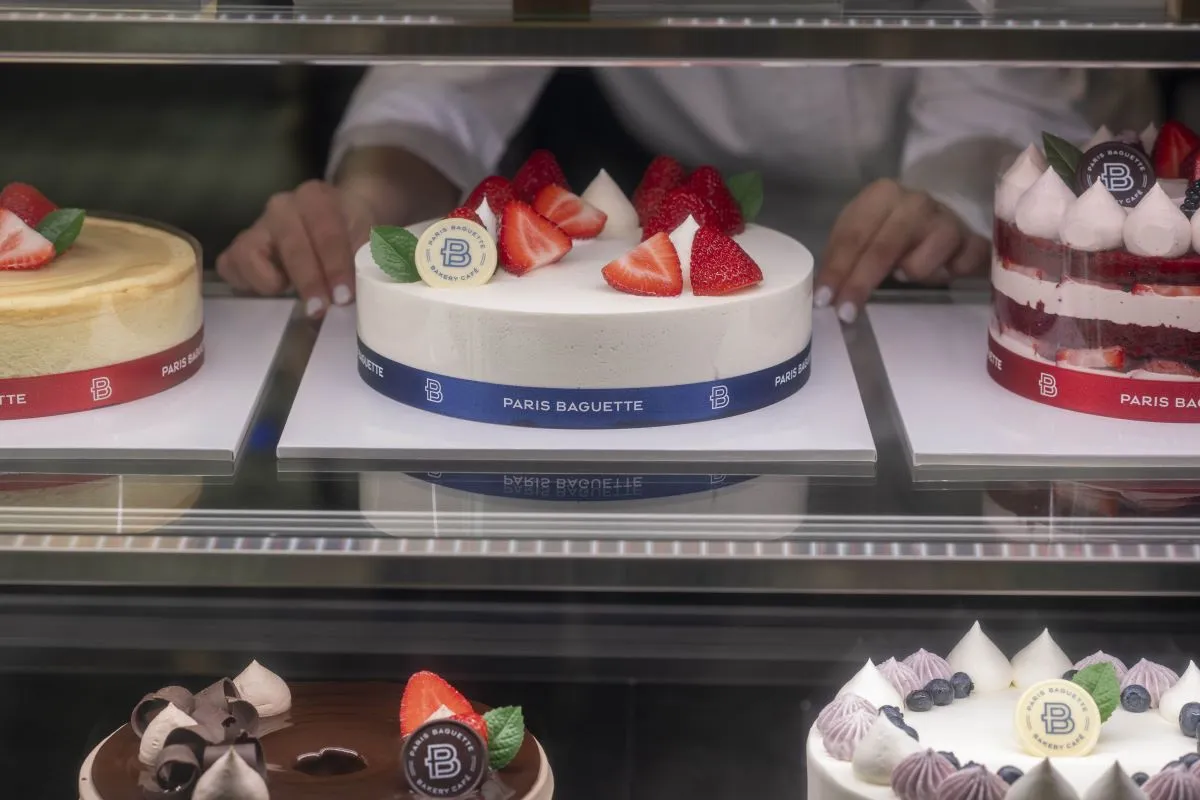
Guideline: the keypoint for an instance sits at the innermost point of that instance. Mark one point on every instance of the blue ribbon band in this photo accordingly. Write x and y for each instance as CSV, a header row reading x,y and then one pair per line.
x,y
582,408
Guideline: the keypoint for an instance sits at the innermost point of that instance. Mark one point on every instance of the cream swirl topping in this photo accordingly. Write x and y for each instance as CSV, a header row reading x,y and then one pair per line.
x,y
1040,660
843,733
1156,679
263,689
928,666
1101,657
869,684
881,751
1043,782
919,776
1173,784
487,217
1024,172
682,237
1103,134
902,677
978,656
1186,690
230,778
1041,209
1156,227
972,783
1094,221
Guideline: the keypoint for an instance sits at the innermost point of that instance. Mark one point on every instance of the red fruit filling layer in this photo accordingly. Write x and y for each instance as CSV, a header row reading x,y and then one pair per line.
x,y
1120,267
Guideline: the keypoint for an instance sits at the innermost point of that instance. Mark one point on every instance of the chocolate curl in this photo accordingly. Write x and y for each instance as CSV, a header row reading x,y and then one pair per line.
x,y
152,704
178,766
248,749
224,725
219,694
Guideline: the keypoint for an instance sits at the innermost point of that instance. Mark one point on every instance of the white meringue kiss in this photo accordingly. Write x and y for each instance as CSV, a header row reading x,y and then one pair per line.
x,y
870,684
1043,782
1095,221
979,657
881,751
487,217
1114,784
1186,690
1196,232
1156,227
1149,136
157,731
230,778
604,194
1024,172
264,690
1103,134
683,237
1040,660
1041,209
1155,678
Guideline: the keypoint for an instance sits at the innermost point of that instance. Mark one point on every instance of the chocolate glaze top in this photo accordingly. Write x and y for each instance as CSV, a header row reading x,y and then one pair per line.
x,y
363,717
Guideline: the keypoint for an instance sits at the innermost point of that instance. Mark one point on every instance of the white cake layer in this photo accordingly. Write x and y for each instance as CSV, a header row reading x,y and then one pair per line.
x,y
980,729
562,326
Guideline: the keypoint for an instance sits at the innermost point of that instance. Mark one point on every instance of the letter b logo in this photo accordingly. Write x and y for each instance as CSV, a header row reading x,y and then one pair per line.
x,y
1116,177
456,253
101,389
719,397
433,391
442,762
1057,719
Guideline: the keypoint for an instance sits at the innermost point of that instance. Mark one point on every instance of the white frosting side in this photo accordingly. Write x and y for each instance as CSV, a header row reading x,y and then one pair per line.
x,y
263,689
1149,136
1114,784
1091,301
156,732
230,778
1024,172
979,657
683,237
1040,210
870,684
1043,782
1095,221
572,329
881,750
1156,227
1040,660
1186,690
604,194
1195,222
488,217
1102,135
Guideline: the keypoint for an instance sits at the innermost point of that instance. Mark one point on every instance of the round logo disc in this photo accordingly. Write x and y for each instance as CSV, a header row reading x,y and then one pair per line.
x,y
456,252
444,759
1123,169
1057,718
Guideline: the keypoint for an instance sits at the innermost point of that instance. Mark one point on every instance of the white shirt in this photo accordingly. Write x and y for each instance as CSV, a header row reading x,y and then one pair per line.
x,y
817,134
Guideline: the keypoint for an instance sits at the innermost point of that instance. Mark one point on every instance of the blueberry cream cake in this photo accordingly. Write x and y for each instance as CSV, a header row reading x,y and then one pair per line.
x,y
256,737
976,725
532,305
1096,275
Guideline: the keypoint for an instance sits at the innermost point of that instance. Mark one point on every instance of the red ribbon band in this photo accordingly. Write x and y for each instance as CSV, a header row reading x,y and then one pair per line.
x,y
1103,395
68,392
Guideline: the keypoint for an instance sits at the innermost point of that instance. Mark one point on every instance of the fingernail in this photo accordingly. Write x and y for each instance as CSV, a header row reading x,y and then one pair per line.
x,y
314,306
900,276
847,312
823,296
341,294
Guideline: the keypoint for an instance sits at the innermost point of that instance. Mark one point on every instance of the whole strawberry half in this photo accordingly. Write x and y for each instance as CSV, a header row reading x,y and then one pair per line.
x,y
26,202
677,206
720,265
652,269
497,190
710,187
663,175
528,240
576,217
462,212
539,171
21,247
424,694
1175,142
475,722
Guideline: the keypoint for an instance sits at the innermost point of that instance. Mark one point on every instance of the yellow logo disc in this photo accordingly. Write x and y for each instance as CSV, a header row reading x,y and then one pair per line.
x,y
1057,718
456,252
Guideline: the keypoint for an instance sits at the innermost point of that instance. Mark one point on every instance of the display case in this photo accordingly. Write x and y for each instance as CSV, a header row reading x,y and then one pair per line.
x,y
672,606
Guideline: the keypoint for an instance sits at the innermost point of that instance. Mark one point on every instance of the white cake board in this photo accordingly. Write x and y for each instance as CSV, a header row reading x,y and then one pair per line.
x,y
204,419
958,424
822,428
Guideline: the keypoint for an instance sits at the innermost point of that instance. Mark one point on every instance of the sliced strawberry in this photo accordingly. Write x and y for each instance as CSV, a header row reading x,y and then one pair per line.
x,y
528,240
473,721
1166,290
652,268
719,265
21,247
676,207
539,171
1095,358
663,175
424,694
577,218
708,184
1164,366
1175,142
497,190
462,212
26,202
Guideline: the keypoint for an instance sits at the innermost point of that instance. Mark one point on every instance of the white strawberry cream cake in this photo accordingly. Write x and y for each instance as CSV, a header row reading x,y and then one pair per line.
x,y
531,305
1096,275
977,725
93,311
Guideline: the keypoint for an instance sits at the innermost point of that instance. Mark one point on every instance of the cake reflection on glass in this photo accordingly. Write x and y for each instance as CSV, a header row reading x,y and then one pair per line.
x,y
1096,275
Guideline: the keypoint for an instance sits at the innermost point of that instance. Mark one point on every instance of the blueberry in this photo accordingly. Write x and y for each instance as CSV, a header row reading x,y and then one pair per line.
x,y
920,700
1069,674
1189,719
1010,775
1189,759
941,691
953,759
897,721
892,713
1135,699
1139,778
911,732
963,685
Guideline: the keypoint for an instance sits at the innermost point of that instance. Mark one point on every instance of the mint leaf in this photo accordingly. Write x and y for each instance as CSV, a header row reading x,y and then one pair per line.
x,y
1100,681
1063,156
395,251
62,227
506,732
747,190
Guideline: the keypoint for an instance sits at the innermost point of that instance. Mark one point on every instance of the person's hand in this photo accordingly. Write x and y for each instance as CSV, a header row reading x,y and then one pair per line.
x,y
305,238
888,229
